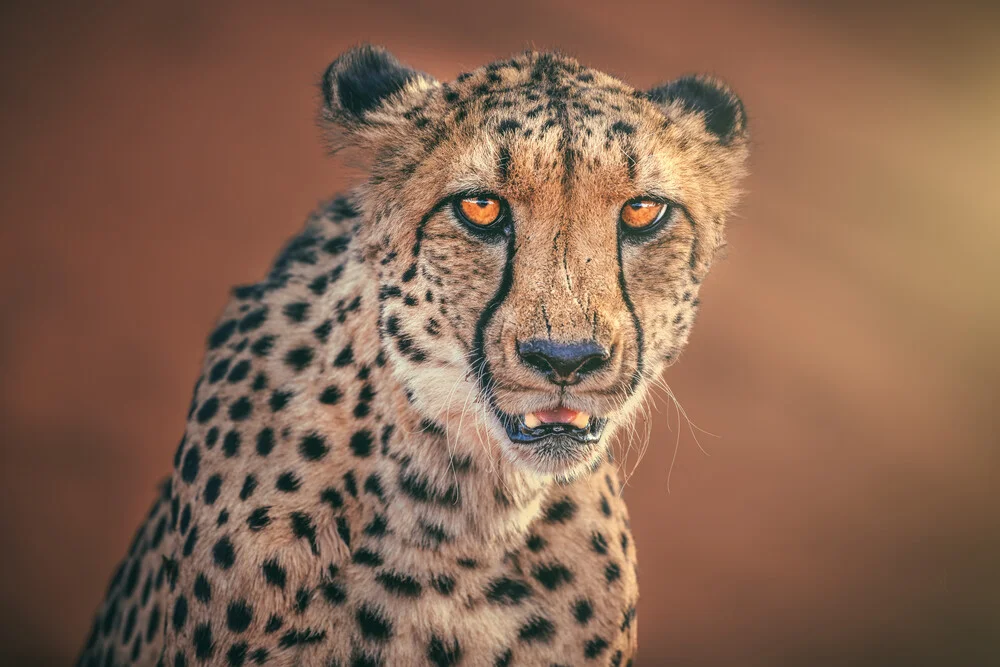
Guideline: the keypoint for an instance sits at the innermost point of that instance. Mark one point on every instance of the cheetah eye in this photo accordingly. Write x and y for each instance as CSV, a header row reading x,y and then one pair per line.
x,y
480,211
643,214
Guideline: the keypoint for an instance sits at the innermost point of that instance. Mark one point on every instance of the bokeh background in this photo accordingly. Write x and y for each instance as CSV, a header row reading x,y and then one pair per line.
x,y
842,507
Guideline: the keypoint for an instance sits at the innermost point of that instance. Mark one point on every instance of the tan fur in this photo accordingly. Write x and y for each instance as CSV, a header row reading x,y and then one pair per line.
x,y
417,533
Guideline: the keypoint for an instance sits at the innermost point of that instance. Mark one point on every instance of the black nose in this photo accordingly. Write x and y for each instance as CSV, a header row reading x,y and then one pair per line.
x,y
563,363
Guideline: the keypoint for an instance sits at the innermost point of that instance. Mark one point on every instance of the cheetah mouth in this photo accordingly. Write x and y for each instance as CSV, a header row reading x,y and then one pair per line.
x,y
537,426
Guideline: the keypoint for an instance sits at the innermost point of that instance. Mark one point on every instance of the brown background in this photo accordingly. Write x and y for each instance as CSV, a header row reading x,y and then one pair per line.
x,y
846,361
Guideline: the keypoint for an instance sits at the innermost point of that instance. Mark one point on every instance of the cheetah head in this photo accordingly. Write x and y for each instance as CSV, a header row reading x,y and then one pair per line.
x,y
539,232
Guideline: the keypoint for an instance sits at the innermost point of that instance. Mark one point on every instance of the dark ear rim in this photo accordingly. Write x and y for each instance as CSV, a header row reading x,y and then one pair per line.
x,y
723,111
361,79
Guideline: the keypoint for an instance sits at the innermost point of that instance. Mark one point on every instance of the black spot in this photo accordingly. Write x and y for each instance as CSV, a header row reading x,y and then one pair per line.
x,y
262,346
237,654
364,556
373,485
185,518
344,530
322,332
221,334
181,611
627,617
218,370
252,320
192,459
303,528
303,597
274,574
552,575
259,656
560,511
373,623
508,126
467,563
605,506
258,519
239,614
299,357
599,543
274,623
297,312
361,444
400,584
239,372
231,444
333,591
583,610
207,410
212,487
189,543
203,644
211,437
444,654
387,292
313,447
129,624
345,357
594,647
612,572
241,409
621,127
507,591
350,483
536,629
287,482
153,624
202,589
265,441
330,395
298,637
410,273
504,659
535,543
443,584
223,553
337,244
279,399
332,497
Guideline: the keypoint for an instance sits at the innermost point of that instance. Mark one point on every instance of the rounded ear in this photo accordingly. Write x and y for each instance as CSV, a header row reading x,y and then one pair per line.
x,y
721,110
362,80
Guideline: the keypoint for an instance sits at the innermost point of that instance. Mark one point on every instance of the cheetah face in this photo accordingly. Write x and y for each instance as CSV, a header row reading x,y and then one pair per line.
x,y
540,231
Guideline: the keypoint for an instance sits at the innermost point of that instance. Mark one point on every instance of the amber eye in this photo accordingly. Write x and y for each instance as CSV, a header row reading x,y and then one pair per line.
x,y
642,213
479,211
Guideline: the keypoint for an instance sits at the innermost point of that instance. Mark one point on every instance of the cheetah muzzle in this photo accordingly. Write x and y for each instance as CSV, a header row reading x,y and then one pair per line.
x,y
399,450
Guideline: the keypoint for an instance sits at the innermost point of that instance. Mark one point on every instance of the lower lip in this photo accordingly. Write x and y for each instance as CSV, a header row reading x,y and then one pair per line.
x,y
521,434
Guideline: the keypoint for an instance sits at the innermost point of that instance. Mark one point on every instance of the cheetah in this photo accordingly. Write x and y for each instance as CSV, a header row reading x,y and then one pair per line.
x,y
398,451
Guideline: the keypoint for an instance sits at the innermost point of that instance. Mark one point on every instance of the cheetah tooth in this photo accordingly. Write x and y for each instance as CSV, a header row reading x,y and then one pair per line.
x,y
581,420
531,421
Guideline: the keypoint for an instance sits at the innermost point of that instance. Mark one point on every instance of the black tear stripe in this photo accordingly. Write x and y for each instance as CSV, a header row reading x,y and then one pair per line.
x,y
639,336
477,356
423,223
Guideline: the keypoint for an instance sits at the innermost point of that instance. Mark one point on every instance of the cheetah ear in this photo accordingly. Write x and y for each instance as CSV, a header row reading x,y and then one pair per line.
x,y
364,81
720,109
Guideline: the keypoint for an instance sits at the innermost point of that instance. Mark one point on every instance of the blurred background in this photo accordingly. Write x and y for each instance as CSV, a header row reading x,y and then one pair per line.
x,y
840,509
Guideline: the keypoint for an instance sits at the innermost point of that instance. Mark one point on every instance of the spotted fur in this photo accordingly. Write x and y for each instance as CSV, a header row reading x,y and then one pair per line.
x,y
344,493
